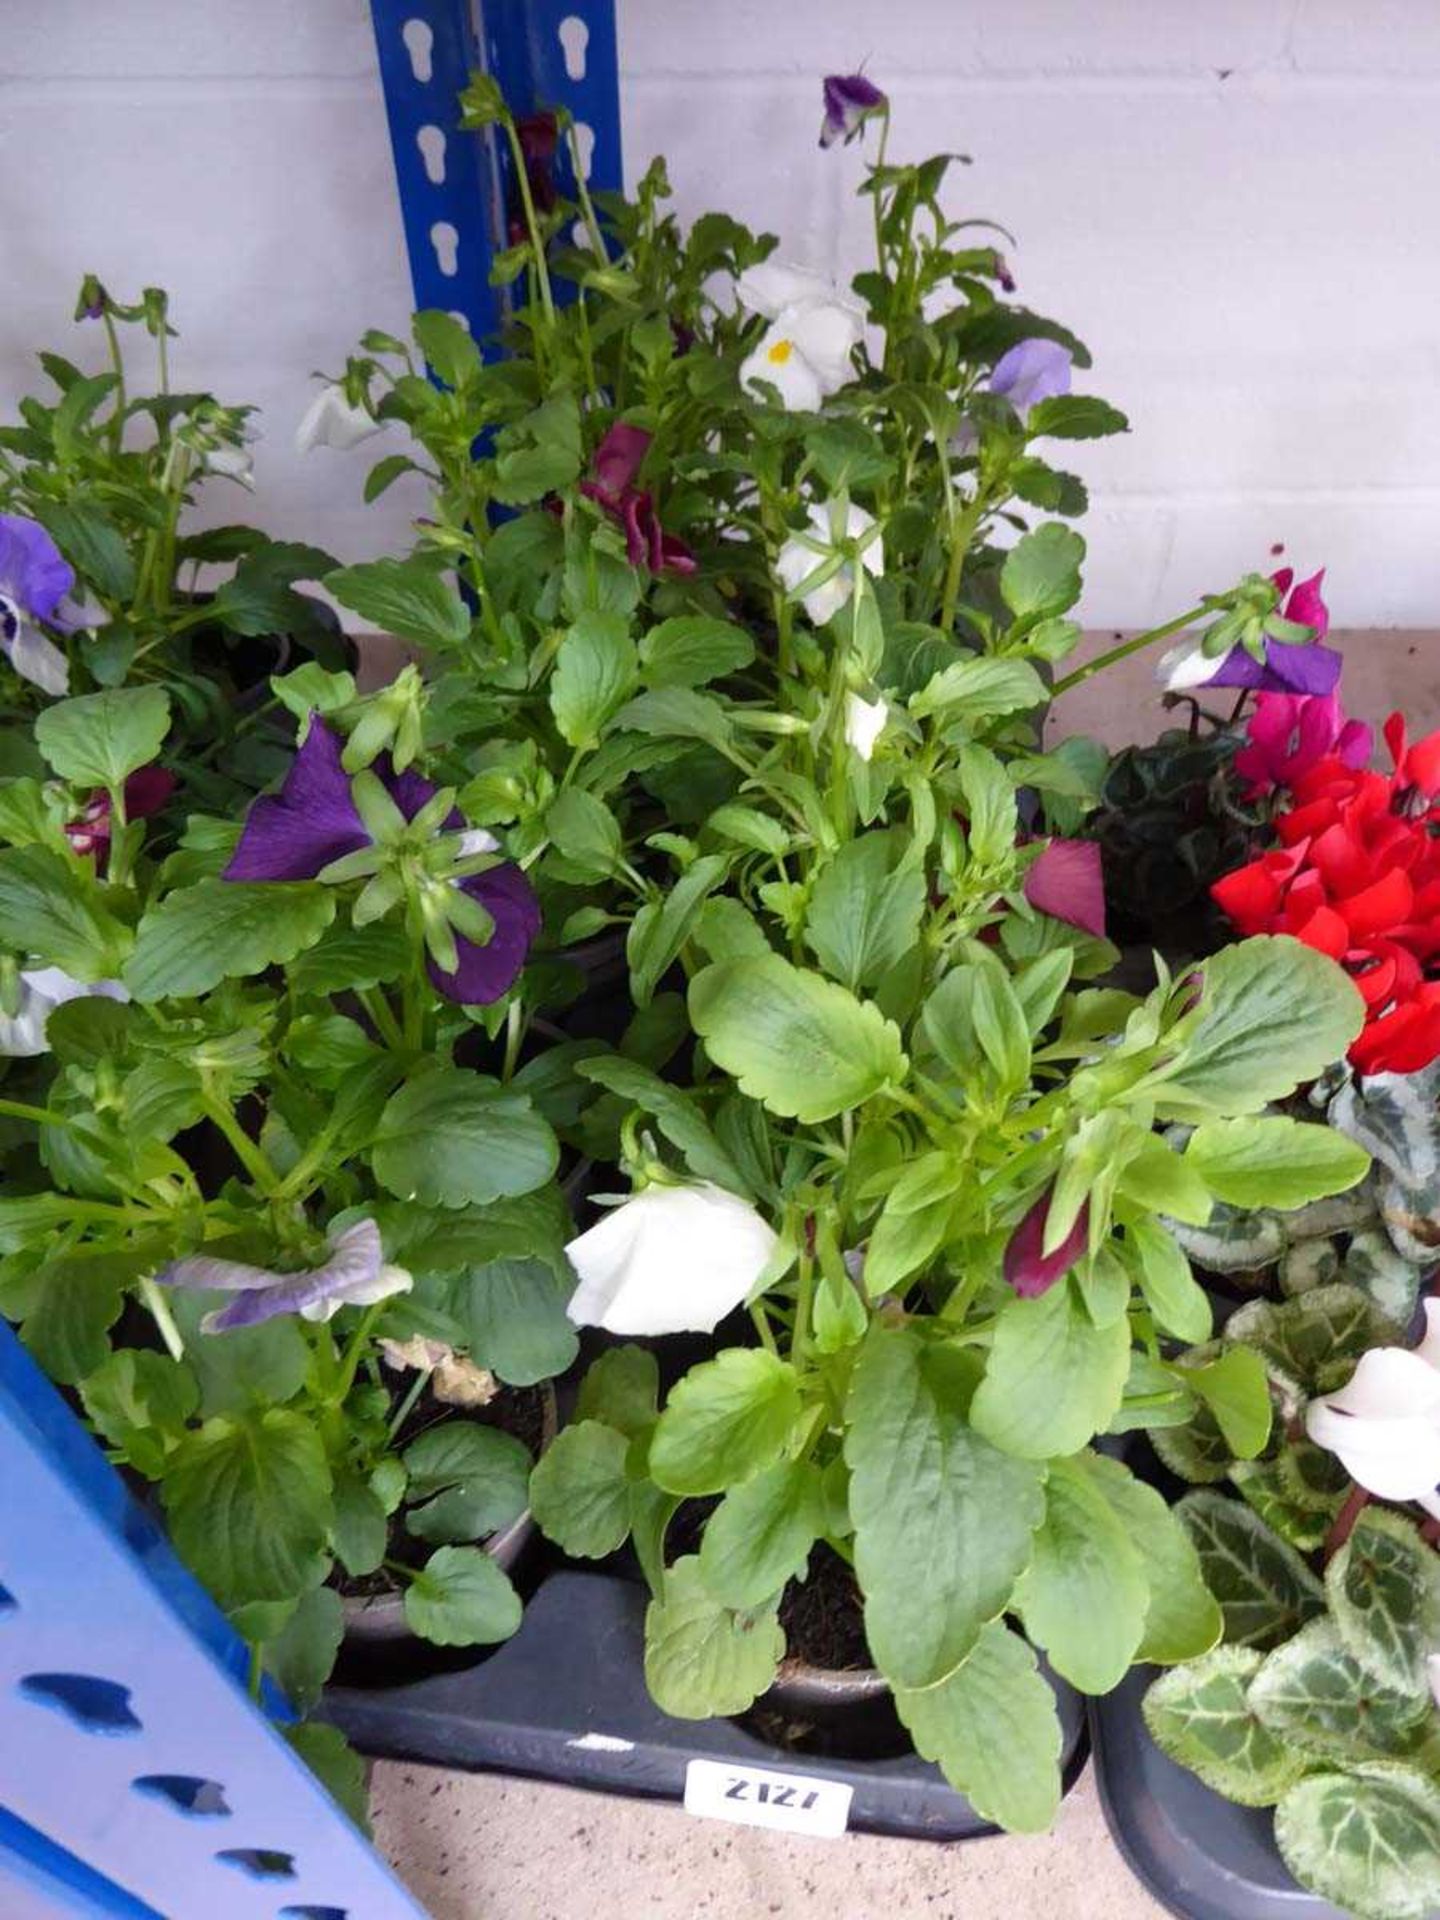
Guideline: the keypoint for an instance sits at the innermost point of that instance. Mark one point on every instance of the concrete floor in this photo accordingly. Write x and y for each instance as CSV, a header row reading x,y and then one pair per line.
x,y
474,1846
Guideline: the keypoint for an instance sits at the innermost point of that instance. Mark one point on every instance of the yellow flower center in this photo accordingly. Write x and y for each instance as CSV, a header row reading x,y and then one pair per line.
x,y
780,352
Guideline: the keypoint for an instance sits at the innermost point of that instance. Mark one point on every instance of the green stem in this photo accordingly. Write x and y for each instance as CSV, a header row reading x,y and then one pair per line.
x,y
962,532
407,1405
587,209
117,418
377,1007
164,1320
1126,648
354,1353
762,1327
800,1334
118,874
250,1156
42,1116
514,1035
522,181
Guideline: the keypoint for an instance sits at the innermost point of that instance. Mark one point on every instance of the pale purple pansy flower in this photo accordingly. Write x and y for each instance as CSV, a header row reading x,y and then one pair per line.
x,y
39,991
1067,883
355,1275
1032,371
35,577
313,821
1288,666
850,99
1029,1270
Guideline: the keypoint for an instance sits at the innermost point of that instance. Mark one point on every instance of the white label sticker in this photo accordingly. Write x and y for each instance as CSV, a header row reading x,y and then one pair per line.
x,y
758,1797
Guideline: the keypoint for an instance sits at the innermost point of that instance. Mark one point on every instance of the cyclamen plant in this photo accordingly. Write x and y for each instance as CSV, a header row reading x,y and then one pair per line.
x,y
260,1193
100,582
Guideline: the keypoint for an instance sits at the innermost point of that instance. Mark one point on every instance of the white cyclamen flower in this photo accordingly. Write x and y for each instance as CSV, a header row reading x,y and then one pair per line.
x,y
672,1259
42,989
330,420
864,723
802,553
1384,1423
806,351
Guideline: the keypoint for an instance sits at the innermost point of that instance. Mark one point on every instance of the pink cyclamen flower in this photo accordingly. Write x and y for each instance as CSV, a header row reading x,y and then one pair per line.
x,y
1029,1270
1067,882
611,485
1289,733
850,99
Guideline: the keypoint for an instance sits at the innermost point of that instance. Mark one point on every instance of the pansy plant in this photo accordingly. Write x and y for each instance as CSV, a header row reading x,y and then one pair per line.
x,y
256,1126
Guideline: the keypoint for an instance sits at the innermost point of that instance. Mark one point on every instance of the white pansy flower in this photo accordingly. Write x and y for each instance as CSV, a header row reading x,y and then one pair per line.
x,y
231,463
1187,665
864,723
42,989
331,420
1384,1423
802,553
671,1259
806,351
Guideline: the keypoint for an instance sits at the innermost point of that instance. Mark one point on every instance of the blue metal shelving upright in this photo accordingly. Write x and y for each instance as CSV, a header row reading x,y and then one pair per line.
x,y
138,1780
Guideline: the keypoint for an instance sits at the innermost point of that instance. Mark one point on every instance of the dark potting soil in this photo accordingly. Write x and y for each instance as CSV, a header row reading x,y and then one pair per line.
x,y
516,1410
823,1617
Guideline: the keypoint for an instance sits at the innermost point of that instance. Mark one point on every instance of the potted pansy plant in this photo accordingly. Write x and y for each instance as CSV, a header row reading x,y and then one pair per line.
x,y
101,579
274,1206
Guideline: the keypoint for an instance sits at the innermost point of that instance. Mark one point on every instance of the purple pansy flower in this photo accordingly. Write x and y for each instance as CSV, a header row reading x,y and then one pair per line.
x,y
355,1275
1288,666
1029,1270
313,821
34,578
1033,370
850,99
1067,883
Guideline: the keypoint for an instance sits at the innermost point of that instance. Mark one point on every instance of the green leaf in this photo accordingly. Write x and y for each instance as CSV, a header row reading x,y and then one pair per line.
x,y
585,831
347,957
138,1401
761,1534
1311,1693
361,1525
1084,1595
992,820
464,1481
992,1729
1053,1379
1265,1589
864,913
595,668
461,1598
1041,574
49,910
797,1042
259,597
249,1505
726,1420
1274,1162
450,1138
980,689
1074,416
449,349
1236,1390
514,1309
540,453
80,1300
579,1492
1200,1715
692,649
407,598
93,544
222,930
1367,1839
677,713
336,1765
622,1389
943,1523
1172,1293
662,927
1275,1014
678,1117
1384,1592
300,1657
702,1658
263,1365
100,739
1182,1617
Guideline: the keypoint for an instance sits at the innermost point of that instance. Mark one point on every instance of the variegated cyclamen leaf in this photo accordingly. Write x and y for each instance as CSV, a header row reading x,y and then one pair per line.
x,y
1313,1693
1258,1483
1314,1340
1196,1450
1232,1240
1311,1477
1395,1117
1411,1215
1200,1716
1307,1264
1265,1589
1390,1280
1367,1839
1384,1588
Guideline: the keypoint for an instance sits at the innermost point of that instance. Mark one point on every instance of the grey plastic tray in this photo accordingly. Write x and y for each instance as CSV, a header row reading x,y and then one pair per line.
x,y
1200,1855
565,1700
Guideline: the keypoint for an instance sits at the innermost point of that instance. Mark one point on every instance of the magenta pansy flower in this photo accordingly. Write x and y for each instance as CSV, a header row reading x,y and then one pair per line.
x,y
1029,1270
1066,882
146,792
850,99
617,461
313,821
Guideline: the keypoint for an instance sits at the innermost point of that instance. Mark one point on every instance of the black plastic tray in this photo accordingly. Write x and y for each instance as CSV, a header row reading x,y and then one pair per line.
x,y
565,1700
1198,1854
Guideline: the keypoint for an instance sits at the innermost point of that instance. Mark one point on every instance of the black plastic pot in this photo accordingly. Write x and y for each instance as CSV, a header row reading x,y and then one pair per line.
x,y
565,1700
1199,1854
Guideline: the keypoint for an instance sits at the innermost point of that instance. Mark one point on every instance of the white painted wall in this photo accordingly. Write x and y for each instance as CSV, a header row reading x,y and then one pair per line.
x,y
1236,202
